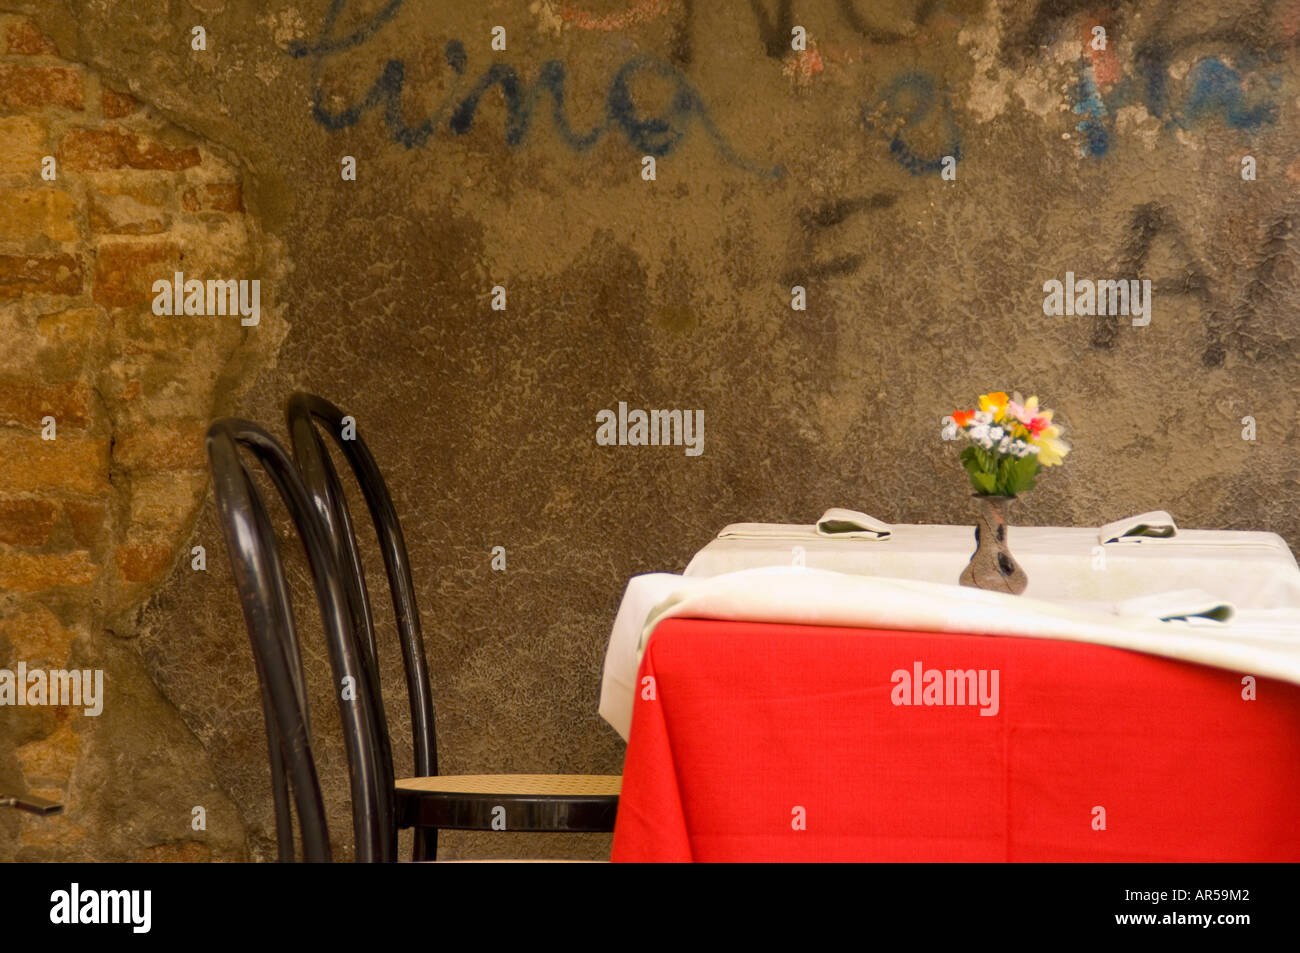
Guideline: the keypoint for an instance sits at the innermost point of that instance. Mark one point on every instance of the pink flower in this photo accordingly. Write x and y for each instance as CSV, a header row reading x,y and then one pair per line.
x,y
1034,420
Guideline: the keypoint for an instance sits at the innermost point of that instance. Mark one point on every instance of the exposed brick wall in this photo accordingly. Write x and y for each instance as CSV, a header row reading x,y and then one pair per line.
x,y
91,521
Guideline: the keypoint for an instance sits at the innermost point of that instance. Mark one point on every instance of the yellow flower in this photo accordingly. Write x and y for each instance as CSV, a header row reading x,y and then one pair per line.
x,y
1051,448
994,403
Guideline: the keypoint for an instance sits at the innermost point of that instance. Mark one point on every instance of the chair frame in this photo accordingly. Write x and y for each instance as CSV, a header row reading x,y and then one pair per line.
x,y
268,614
321,479
426,811
310,488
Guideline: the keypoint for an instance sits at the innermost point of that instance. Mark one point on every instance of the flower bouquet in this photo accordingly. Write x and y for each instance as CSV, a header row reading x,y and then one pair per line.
x,y
1009,440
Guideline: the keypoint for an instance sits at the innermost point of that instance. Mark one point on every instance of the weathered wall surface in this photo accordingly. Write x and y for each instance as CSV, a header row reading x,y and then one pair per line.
x,y
102,407
522,168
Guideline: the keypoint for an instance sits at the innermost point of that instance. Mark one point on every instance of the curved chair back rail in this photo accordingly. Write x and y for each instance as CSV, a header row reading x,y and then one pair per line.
x,y
307,416
268,614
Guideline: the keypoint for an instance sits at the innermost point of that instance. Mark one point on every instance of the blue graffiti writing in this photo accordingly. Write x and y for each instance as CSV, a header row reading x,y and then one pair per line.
x,y
656,135
1090,105
1217,91
1211,92
911,98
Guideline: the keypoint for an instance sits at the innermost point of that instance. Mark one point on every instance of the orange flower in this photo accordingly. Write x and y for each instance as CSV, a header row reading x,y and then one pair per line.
x,y
995,404
963,417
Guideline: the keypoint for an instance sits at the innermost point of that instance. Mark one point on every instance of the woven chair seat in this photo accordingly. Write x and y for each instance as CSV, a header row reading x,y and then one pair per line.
x,y
535,785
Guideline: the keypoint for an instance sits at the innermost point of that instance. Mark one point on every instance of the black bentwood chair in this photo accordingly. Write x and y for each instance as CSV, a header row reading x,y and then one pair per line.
x,y
429,802
268,614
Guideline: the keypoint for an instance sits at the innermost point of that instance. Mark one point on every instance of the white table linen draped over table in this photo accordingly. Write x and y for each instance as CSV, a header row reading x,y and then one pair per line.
x,y
1079,590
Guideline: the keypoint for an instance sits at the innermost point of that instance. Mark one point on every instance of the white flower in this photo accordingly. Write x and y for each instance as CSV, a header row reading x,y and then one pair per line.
x,y
1004,444
997,433
984,417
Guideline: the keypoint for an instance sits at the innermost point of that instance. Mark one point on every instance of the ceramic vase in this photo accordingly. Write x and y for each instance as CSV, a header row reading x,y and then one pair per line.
x,y
992,565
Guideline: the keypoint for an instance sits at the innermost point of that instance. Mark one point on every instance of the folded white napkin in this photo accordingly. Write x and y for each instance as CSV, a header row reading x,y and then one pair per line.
x,y
767,531
850,524
1183,605
1153,527
835,523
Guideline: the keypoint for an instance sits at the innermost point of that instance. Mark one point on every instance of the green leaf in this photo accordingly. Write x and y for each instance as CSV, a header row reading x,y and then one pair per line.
x,y
982,467
1017,474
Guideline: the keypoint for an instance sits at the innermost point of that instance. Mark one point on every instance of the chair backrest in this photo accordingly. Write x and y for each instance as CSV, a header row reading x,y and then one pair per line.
x,y
268,613
308,415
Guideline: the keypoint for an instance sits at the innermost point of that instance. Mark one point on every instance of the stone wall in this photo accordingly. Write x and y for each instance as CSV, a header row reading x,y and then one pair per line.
x,y
522,168
102,409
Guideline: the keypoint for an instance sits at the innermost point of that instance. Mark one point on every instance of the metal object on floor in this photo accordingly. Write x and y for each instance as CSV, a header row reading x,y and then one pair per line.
x,y
30,803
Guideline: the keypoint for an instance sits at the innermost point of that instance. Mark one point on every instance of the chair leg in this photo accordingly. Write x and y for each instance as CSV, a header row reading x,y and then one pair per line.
x,y
425,844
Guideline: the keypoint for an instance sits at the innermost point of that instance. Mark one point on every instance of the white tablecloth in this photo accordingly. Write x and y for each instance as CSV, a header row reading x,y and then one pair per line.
x,y
1251,570
1259,642
1077,590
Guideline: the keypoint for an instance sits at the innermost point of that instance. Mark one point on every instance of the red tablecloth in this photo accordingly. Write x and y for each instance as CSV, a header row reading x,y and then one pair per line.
x,y
753,726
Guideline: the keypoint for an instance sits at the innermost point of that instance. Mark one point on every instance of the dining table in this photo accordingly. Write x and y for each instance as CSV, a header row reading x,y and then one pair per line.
x,y
799,696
